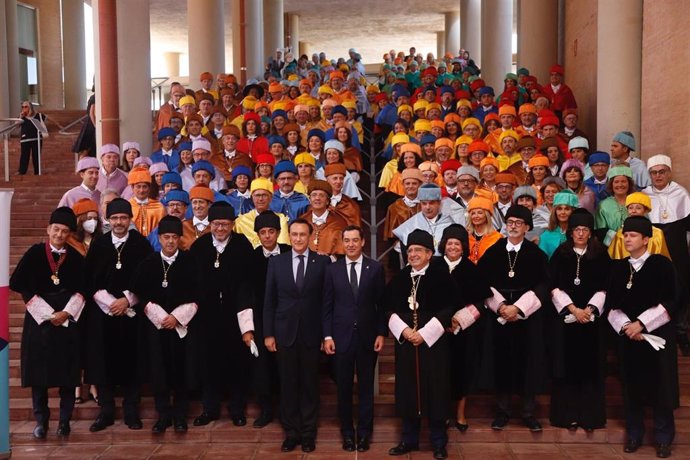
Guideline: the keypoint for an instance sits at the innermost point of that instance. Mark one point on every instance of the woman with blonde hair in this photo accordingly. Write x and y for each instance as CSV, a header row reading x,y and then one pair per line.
x,y
482,234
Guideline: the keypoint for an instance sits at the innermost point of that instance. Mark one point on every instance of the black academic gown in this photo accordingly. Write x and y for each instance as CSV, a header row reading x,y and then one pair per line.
x,y
168,360
260,266
649,377
514,358
435,296
578,351
50,355
466,345
113,343
225,291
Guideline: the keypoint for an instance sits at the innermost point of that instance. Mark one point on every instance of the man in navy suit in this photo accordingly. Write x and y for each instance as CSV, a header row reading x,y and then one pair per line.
x,y
292,328
354,327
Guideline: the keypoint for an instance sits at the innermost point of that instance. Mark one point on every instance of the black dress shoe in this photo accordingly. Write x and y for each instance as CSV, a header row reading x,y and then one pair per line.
x,y
204,419
440,453
349,444
239,420
462,427
532,424
289,444
134,423
631,445
499,422
40,431
180,425
308,445
363,444
161,425
101,423
663,450
402,449
63,429
263,420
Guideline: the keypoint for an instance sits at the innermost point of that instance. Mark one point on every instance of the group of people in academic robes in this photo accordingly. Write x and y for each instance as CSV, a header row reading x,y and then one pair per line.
x,y
179,320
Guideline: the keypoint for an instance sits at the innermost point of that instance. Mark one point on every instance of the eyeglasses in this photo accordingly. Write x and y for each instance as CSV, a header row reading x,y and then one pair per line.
x,y
466,181
514,223
581,230
658,172
219,225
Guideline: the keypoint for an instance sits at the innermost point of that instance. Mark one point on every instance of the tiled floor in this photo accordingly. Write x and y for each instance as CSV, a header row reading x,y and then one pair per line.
x,y
221,440
331,451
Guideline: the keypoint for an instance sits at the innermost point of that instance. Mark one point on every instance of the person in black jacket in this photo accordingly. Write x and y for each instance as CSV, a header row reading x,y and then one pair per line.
x,y
420,299
222,261
643,307
292,328
514,351
49,278
33,124
354,328
166,284
264,367
467,322
579,272
114,315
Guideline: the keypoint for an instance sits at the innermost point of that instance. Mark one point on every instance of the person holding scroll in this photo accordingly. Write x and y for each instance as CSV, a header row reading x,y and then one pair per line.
x,y
515,361
165,283
49,278
641,295
113,318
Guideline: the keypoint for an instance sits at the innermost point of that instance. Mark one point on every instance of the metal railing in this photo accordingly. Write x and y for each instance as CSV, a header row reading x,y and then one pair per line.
x,y
157,98
373,195
64,130
5,133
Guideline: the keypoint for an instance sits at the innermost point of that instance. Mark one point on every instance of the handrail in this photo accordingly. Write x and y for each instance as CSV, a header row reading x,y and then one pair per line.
x,y
157,87
63,130
5,133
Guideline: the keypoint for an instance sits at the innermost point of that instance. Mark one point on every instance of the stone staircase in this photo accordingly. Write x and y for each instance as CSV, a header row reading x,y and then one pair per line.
x,y
36,196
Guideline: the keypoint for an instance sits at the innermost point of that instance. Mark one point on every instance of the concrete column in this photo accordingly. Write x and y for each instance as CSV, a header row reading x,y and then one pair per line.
x,y
238,63
206,39
107,80
12,56
452,19
304,48
134,58
471,28
619,60
172,63
537,34
74,54
4,84
254,39
293,32
497,38
440,43
274,30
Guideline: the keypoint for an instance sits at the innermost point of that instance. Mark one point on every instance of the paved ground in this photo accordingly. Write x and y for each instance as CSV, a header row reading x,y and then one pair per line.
x,y
222,440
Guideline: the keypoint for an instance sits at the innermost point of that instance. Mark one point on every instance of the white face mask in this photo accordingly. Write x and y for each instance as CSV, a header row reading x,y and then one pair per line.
x,y
90,225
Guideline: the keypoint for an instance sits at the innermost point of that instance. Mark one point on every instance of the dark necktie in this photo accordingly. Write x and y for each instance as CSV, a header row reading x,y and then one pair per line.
x,y
353,280
299,279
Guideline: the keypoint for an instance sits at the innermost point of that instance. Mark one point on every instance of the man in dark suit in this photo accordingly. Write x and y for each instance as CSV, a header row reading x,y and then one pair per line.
x,y
354,327
292,328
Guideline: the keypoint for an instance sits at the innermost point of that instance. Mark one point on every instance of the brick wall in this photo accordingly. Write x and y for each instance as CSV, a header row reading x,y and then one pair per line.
x,y
50,51
580,52
665,84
